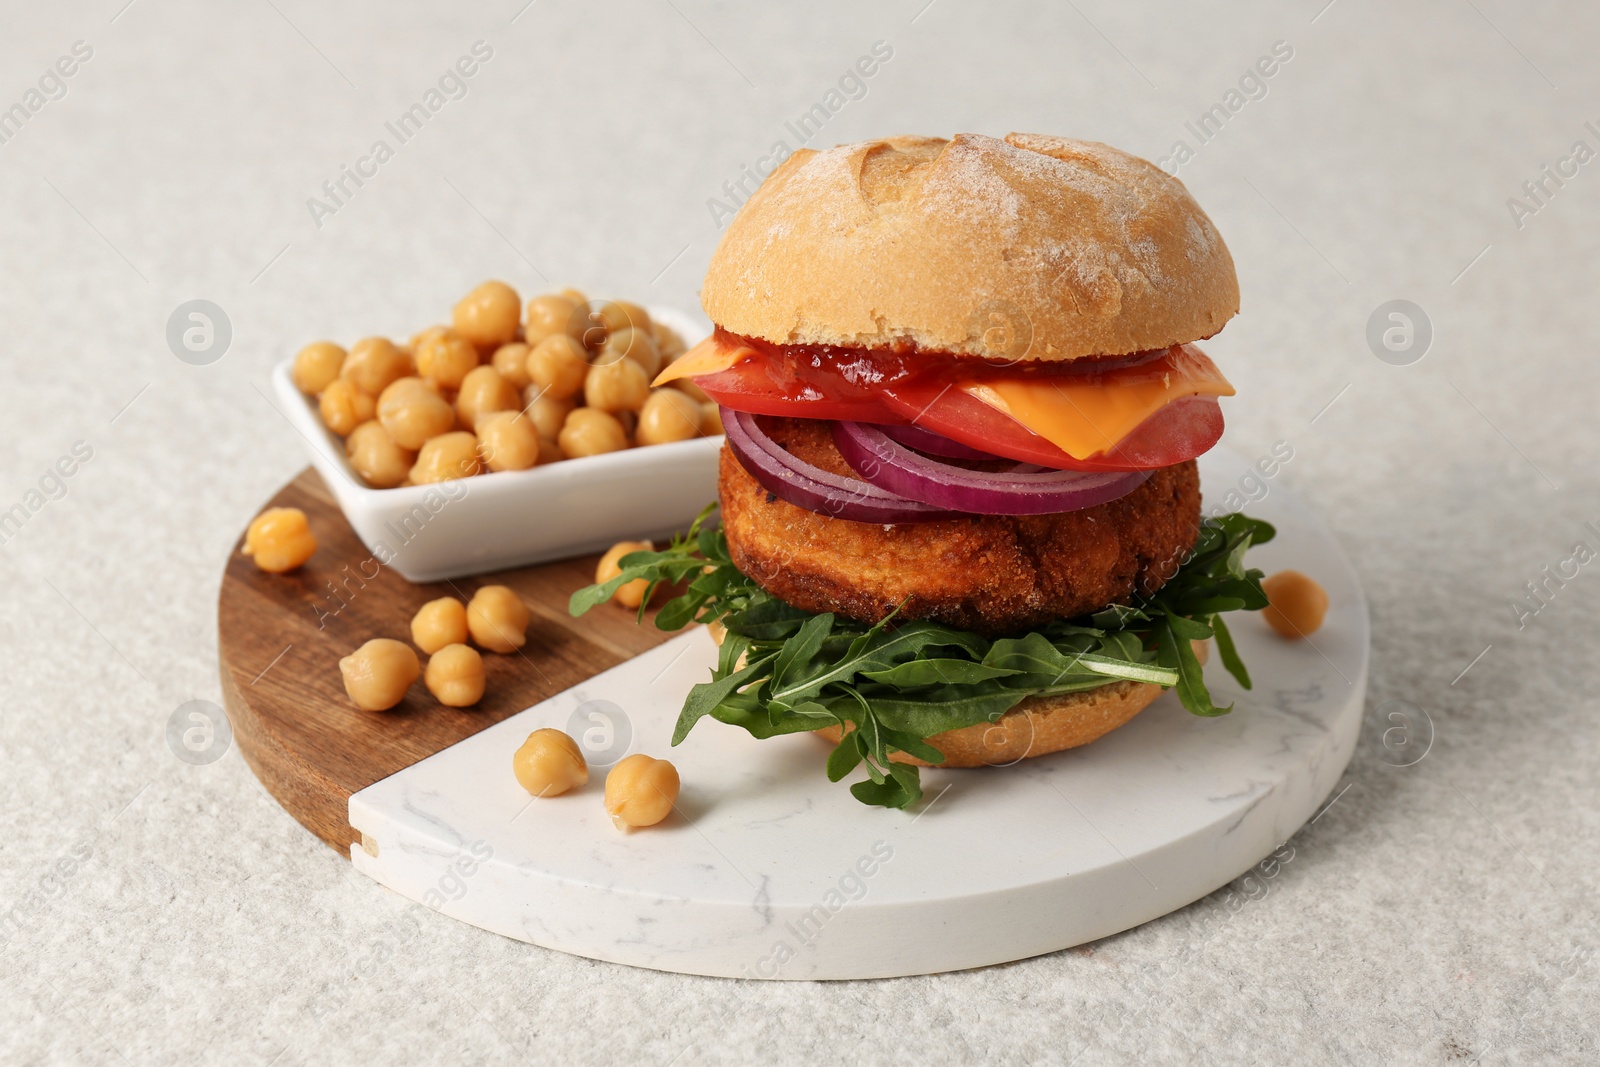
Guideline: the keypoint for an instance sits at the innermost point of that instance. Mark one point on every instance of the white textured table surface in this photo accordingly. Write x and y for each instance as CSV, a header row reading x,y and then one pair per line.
x,y
156,910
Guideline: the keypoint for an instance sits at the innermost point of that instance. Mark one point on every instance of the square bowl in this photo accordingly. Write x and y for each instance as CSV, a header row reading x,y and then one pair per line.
x,y
488,522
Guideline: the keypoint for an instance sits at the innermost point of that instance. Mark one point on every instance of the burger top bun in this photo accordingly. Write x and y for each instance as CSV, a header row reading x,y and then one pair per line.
x,y
1031,247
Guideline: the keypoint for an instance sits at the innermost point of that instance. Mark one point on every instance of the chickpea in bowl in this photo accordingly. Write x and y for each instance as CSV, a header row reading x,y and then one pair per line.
x,y
578,371
509,432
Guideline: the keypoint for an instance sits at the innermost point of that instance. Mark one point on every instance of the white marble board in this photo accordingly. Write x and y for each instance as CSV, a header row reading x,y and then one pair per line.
x,y
767,870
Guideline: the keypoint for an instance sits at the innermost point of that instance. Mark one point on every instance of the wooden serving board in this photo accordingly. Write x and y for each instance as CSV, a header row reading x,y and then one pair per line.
x,y
281,636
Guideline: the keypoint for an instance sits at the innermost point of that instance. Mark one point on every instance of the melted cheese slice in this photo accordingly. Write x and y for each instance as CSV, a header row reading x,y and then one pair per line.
x,y
707,357
1089,417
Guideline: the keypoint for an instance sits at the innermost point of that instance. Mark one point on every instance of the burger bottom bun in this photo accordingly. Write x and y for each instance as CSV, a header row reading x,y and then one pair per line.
x,y
1038,726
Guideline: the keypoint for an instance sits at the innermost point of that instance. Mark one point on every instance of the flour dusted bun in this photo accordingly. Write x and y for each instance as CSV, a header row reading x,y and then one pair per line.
x,y
1039,725
1031,247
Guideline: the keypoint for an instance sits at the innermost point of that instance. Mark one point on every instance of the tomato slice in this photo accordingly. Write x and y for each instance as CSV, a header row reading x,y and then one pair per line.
x,y
894,388
1180,431
765,386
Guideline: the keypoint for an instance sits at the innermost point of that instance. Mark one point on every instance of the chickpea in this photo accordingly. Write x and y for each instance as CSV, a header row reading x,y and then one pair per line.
x,y
448,456
439,623
483,391
549,452
588,432
488,316
423,336
444,358
629,421
710,419
668,416
546,412
377,675
498,618
1298,604
507,441
412,410
589,327
687,387
633,344
374,362
558,365
512,362
316,366
640,791
629,594
455,676
618,386
279,539
667,340
575,295
621,314
381,462
549,763
344,407
550,315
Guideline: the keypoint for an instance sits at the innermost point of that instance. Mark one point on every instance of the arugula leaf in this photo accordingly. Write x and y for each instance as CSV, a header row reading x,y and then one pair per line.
x,y
894,685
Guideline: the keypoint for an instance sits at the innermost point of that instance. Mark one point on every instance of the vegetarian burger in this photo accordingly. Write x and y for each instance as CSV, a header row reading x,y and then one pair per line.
x,y
960,514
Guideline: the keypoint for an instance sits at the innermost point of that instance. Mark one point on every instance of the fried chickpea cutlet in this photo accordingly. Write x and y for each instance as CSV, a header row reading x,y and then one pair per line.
x,y
992,574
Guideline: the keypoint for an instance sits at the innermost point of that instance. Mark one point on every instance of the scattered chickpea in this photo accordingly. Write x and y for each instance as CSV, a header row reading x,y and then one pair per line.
x,y
512,362
668,415
377,457
549,763
444,357
488,316
547,413
629,594
498,619
549,315
483,391
1298,604
448,456
558,365
507,441
279,539
316,366
412,410
439,623
588,432
344,407
377,675
617,386
455,676
710,419
640,791
372,363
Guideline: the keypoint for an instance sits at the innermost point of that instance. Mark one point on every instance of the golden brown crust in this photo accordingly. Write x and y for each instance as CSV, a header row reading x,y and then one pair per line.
x,y
1039,725
990,574
1031,247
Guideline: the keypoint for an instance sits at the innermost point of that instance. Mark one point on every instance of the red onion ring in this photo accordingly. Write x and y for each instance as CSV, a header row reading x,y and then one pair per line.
x,y
934,444
892,466
800,483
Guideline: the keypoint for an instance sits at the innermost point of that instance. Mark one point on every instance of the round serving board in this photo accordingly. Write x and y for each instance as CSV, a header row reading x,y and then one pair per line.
x,y
767,870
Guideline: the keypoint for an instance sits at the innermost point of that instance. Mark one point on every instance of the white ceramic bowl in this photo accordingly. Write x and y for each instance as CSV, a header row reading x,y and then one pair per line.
x,y
513,518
